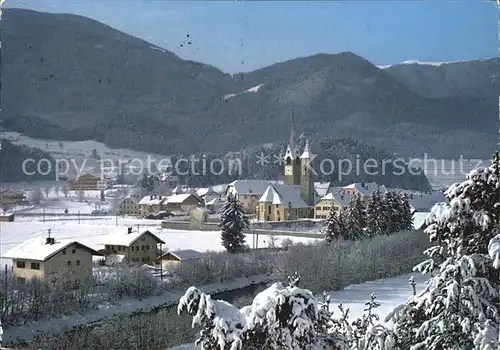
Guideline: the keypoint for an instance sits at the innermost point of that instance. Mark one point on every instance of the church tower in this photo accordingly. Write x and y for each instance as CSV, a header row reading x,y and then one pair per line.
x,y
306,176
292,158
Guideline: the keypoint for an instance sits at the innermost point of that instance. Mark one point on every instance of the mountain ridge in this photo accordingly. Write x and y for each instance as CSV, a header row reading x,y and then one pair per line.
x,y
71,78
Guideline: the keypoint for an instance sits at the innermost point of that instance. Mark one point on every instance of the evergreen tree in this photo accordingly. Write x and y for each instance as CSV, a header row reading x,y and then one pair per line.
x,y
459,308
233,221
392,212
335,226
376,215
355,217
406,213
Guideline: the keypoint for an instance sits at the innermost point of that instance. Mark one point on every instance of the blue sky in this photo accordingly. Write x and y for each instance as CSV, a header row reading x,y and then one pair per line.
x,y
242,36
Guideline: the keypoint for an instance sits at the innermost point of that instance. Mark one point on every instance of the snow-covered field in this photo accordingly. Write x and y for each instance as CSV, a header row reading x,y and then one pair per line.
x,y
91,231
390,293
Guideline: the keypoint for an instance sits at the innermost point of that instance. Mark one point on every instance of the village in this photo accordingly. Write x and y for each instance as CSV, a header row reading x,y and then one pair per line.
x,y
295,207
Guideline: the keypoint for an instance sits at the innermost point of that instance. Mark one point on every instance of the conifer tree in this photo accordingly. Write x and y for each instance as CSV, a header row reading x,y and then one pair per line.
x,y
459,308
376,218
355,217
233,220
406,213
335,226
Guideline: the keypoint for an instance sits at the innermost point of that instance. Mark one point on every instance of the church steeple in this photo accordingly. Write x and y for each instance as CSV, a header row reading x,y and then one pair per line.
x,y
292,156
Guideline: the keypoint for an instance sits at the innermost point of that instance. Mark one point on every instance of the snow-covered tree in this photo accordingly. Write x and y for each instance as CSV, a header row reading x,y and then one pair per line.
x,y
459,307
365,333
376,215
280,317
406,213
36,196
233,220
355,217
335,226
397,213
283,317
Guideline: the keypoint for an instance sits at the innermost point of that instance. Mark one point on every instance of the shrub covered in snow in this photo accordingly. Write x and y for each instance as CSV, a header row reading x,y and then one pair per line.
x,y
283,317
459,308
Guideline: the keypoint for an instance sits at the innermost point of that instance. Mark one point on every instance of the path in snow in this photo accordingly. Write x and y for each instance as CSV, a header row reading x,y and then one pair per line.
x,y
390,293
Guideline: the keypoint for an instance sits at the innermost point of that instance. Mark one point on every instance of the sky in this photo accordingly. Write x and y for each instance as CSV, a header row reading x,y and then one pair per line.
x,y
240,36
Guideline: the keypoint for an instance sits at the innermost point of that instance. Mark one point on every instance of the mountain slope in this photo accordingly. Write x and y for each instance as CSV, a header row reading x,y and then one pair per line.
x,y
72,78
472,79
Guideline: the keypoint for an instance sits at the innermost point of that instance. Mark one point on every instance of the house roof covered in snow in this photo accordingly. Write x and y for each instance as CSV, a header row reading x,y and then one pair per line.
x,y
39,250
179,198
182,255
419,220
285,195
424,202
121,236
367,188
252,187
341,198
322,187
152,200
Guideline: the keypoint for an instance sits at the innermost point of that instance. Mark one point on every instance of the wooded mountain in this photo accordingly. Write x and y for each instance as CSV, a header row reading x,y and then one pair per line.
x,y
68,77
11,163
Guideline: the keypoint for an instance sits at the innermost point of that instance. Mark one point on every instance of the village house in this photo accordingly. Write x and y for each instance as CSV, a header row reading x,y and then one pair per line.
x,y
88,182
135,246
6,217
151,204
283,202
338,201
11,197
128,206
364,189
170,259
248,192
181,202
43,257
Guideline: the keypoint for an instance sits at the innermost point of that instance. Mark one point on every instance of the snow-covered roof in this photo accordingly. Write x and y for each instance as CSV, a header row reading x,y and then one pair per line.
x,y
341,198
152,200
212,202
322,188
187,254
367,188
128,198
253,187
286,195
37,249
202,191
178,198
419,219
120,236
424,202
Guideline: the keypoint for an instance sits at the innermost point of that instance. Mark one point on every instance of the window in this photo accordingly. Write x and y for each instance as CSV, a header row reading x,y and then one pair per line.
x,y
78,263
277,205
147,247
142,247
35,266
269,209
64,251
119,247
107,246
143,238
69,262
21,280
74,251
21,264
112,247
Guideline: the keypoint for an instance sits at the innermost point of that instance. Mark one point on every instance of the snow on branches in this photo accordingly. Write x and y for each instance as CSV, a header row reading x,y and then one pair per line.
x,y
459,307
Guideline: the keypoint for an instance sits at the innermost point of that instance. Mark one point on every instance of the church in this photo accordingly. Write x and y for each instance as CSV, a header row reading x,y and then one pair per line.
x,y
295,198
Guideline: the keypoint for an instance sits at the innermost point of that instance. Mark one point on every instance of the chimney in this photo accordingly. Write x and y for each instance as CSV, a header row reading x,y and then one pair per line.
x,y
129,229
49,240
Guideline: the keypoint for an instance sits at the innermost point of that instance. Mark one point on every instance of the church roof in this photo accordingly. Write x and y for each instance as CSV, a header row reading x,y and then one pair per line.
x,y
285,195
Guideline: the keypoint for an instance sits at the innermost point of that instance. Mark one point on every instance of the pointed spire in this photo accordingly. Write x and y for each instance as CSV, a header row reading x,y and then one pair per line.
x,y
307,151
292,129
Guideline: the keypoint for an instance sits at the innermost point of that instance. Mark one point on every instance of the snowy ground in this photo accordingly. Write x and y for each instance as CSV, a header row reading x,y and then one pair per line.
x,y
125,306
390,293
91,231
